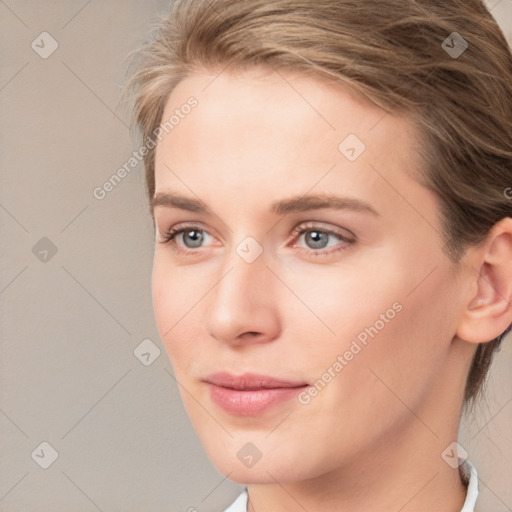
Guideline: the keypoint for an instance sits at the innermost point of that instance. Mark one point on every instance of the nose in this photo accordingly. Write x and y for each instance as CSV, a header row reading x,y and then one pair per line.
x,y
243,306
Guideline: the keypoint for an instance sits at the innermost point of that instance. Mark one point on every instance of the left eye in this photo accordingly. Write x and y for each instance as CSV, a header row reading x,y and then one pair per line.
x,y
317,239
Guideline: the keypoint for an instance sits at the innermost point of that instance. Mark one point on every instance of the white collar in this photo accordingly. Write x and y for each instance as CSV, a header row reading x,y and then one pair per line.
x,y
472,492
240,504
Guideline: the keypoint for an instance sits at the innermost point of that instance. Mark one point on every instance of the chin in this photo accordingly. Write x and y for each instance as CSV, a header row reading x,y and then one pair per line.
x,y
261,473
275,464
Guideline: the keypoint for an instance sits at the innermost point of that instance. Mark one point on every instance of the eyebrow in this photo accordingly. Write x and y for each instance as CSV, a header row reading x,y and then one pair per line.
x,y
282,207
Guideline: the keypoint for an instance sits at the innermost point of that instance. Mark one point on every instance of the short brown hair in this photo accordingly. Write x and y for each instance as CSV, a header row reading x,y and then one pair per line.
x,y
396,54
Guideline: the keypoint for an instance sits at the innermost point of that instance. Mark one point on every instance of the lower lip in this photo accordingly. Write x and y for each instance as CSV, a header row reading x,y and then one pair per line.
x,y
249,403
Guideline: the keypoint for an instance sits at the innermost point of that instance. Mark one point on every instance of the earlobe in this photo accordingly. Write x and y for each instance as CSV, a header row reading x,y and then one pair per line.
x,y
489,311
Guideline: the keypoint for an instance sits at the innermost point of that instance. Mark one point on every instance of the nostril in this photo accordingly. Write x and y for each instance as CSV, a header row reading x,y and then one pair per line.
x,y
250,335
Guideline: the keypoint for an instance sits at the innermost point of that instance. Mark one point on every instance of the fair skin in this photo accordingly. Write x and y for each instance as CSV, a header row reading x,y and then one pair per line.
x,y
375,433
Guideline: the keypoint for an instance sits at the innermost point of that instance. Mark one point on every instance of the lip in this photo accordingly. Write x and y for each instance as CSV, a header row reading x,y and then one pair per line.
x,y
250,394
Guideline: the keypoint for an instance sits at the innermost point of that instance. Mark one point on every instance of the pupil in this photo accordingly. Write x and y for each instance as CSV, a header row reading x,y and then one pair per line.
x,y
195,237
318,239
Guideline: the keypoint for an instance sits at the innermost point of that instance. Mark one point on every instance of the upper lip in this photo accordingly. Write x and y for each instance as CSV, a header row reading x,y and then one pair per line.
x,y
250,381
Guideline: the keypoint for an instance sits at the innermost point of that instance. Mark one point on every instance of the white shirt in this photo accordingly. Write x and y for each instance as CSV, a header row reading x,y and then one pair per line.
x,y
240,504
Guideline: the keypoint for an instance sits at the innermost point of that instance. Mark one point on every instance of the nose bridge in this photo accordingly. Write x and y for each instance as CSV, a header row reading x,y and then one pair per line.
x,y
242,279
242,299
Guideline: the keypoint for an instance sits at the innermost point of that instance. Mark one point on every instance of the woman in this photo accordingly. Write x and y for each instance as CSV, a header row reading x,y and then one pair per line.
x,y
333,260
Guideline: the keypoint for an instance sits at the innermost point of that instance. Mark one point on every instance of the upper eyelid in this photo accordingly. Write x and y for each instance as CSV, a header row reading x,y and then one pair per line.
x,y
338,231
300,226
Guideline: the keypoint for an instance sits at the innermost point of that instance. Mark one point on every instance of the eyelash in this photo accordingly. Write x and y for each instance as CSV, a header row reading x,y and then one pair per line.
x,y
170,239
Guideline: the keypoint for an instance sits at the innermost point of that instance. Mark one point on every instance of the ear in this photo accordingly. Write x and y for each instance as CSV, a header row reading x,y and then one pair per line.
x,y
488,312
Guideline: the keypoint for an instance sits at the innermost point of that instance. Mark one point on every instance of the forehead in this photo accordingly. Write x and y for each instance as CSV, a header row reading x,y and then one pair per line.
x,y
270,131
273,98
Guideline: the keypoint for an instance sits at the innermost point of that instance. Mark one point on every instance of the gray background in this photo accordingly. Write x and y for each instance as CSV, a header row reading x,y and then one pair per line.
x,y
72,320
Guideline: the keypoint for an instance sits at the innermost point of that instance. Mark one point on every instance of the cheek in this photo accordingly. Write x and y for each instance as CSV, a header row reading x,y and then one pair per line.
x,y
331,307
388,347
383,322
175,296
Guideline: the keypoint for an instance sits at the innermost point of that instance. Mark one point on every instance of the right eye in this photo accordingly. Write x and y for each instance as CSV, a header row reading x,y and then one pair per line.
x,y
189,237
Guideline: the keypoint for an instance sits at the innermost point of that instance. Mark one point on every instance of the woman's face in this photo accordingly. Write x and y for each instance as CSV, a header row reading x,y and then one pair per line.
x,y
310,256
